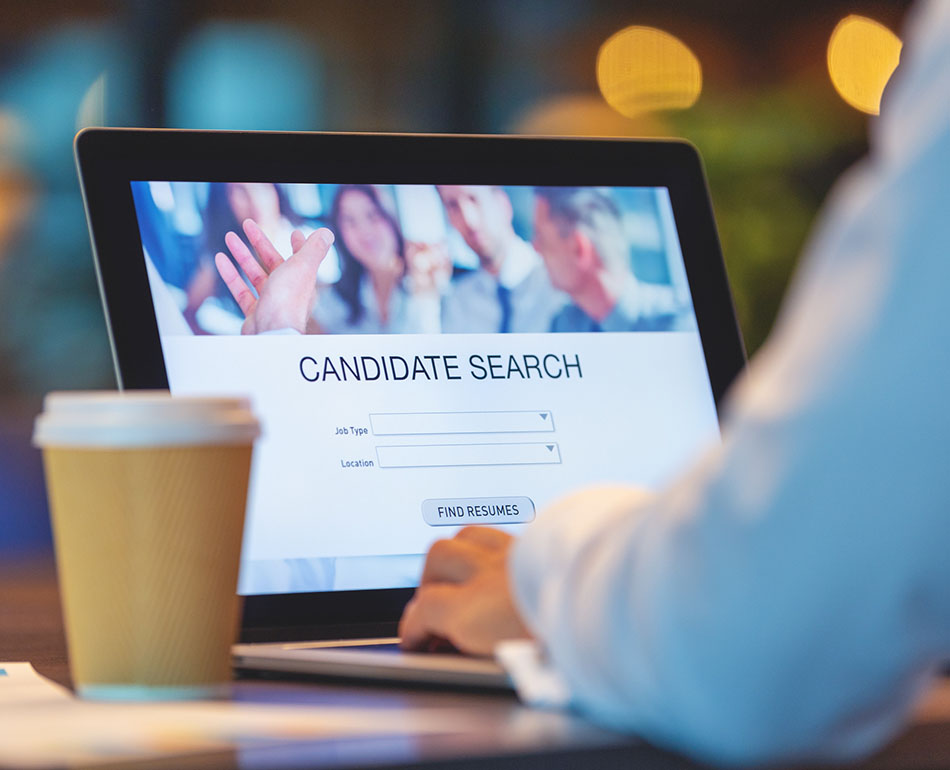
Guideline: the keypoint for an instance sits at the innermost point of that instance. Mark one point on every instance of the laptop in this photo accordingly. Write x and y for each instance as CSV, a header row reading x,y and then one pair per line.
x,y
500,321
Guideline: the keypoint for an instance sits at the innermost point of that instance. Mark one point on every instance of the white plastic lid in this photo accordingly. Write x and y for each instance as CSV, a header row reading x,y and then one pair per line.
x,y
142,418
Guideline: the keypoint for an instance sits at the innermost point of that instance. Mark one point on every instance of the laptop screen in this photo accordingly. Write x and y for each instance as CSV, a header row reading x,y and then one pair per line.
x,y
463,355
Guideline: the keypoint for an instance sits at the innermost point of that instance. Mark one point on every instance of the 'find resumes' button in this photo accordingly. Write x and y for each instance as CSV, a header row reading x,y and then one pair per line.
x,y
456,511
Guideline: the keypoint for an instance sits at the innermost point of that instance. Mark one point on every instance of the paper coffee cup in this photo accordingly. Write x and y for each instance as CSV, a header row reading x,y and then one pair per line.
x,y
147,496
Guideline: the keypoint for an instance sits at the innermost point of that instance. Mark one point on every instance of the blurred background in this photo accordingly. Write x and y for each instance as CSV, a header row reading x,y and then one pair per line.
x,y
776,96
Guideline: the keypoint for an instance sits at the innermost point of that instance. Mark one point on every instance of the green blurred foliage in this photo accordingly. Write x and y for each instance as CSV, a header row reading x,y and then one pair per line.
x,y
771,156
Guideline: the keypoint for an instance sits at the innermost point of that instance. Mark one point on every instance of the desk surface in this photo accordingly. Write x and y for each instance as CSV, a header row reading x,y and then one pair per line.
x,y
503,734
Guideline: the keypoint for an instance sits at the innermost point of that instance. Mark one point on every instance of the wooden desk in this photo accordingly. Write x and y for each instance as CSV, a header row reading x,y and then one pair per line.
x,y
503,734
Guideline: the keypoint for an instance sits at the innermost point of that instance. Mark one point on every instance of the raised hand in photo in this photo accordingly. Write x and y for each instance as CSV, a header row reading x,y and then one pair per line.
x,y
286,290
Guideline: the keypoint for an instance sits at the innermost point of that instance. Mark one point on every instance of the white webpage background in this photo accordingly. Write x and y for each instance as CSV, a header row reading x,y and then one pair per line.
x,y
641,411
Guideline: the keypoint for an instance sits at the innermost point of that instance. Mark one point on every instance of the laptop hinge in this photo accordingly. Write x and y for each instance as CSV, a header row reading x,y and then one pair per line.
x,y
316,633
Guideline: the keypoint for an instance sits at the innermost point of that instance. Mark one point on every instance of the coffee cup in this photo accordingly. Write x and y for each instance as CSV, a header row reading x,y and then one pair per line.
x,y
147,496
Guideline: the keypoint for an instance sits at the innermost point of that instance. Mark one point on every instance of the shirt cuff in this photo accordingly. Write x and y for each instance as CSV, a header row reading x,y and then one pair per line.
x,y
535,680
537,563
560,532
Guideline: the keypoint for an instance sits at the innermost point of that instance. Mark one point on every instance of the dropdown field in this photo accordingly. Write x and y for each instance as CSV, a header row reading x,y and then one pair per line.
x,y
446,423
447,455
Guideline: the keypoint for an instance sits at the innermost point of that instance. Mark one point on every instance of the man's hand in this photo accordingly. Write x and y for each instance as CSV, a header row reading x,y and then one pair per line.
x,y
464,596
429,268
286,289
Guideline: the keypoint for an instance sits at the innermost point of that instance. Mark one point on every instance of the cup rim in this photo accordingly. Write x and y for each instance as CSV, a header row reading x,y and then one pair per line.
x,y
143,419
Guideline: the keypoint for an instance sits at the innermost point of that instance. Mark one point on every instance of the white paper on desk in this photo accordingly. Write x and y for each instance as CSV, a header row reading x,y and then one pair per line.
x,y
48,727
20,685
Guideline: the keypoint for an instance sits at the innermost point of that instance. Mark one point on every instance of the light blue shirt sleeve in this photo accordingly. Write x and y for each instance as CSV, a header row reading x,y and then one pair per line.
x,y
789,598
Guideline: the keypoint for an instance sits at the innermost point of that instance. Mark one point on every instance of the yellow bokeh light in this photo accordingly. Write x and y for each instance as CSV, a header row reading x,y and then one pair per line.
x,y
862,56
641,69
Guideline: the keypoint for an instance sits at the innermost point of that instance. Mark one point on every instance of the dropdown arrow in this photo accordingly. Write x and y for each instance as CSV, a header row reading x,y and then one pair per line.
x,y
544,415
550,447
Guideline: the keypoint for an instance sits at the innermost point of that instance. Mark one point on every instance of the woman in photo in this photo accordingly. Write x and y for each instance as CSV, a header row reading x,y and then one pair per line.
x,y
368,298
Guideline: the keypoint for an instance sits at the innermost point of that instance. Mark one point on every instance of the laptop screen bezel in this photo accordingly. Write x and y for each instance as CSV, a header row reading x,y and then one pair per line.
x,y
109,160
